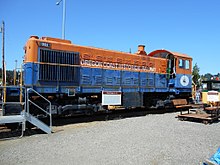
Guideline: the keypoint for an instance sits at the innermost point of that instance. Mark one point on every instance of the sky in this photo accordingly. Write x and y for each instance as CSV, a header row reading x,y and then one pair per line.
x,y
191,27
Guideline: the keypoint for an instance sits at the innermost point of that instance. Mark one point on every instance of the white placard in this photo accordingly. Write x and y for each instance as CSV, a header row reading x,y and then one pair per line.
x,y
212,96
111,98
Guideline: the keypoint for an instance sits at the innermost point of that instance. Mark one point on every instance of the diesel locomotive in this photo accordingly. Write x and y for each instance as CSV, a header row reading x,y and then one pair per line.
x,y
81,79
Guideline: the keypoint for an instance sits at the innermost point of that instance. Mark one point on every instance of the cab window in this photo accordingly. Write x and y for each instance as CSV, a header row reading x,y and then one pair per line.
x,y
181,63
187,64
184,64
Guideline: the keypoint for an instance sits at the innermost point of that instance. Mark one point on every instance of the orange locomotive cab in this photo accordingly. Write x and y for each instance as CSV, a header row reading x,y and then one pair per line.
x,y
177,63
179,72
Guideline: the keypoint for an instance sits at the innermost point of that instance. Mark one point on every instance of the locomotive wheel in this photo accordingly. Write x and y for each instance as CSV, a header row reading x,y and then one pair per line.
x,y
54,108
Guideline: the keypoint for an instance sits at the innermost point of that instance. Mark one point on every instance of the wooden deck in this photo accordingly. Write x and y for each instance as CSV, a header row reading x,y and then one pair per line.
x,y
204,118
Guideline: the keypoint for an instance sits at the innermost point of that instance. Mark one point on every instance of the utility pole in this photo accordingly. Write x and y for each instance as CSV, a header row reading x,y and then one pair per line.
x,y
3,53
3,59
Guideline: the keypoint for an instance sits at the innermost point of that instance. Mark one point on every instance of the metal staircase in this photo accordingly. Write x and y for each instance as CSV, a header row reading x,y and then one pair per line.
x,y
26,116
33,120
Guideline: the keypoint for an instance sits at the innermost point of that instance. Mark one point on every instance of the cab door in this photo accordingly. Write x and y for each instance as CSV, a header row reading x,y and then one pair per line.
x,y
171,70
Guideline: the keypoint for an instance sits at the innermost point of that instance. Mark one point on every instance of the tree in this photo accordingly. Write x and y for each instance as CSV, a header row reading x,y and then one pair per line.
x,y
196,75
9,76
208,76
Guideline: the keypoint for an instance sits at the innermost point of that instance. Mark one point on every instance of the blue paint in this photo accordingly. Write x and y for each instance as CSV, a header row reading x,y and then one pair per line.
x,y
94,80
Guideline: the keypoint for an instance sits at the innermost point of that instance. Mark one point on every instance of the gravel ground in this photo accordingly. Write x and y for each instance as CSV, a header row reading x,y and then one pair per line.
x,y
151,140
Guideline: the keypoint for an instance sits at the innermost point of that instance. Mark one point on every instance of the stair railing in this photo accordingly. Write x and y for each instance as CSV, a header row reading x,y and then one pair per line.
x,y
29,90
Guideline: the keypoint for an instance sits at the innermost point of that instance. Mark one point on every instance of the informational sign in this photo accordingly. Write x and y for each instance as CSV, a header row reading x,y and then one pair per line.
x,y
111,98
212,96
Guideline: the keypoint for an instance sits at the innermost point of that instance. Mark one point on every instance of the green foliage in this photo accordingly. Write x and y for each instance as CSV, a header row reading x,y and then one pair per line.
x,y
9,76
207,76
196,76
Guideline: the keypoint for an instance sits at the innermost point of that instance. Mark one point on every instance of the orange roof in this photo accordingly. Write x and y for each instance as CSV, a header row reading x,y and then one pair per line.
x,y
173,53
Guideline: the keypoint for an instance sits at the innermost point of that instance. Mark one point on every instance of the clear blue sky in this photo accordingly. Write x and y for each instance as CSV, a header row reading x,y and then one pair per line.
x,y
186,26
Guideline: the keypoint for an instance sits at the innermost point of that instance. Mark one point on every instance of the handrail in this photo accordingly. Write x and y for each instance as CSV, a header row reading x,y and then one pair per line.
x,y
28,100
38,106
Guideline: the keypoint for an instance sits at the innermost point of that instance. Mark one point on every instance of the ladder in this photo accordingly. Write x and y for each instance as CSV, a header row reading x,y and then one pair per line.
x,y
25,115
